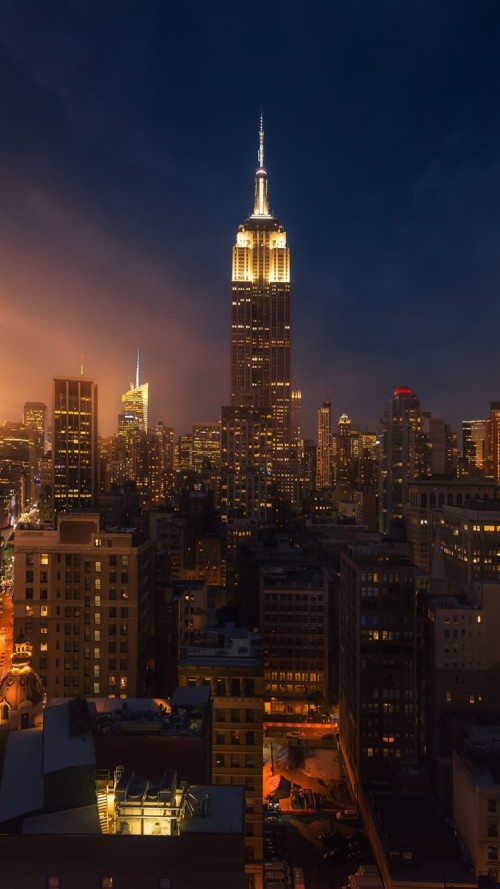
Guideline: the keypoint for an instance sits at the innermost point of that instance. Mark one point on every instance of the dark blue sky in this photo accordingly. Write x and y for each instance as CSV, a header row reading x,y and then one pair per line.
x,y
127,152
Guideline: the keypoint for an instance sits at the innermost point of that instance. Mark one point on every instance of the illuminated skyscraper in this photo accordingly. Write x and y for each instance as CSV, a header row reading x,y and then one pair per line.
x,y
345,447
34,420
135,402
473,438
260,334
74,447
492,442
324,446
133,421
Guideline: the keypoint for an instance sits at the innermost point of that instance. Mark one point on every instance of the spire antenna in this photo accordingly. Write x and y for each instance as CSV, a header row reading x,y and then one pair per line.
x,y
261,142
137,369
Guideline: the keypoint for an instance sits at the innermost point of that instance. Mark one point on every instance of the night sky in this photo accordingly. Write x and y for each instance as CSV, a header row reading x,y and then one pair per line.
x,y
128,145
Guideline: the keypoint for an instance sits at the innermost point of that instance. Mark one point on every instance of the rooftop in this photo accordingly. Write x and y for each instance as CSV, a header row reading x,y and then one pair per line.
x,y
420,845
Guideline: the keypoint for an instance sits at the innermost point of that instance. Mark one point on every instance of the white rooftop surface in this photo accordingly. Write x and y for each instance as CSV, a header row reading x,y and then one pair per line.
x,y
21,788
84,820
60,750
225,810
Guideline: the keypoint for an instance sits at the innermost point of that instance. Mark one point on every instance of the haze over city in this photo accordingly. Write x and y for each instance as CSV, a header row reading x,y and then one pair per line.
x,y
129,145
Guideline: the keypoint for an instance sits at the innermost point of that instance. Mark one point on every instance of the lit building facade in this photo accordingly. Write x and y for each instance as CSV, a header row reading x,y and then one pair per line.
x,y
15,469
246,463
34,420
324,447
260,334
428,498
236,683
82,598
347,441
294,623
74,445
492,442
473,442
205,448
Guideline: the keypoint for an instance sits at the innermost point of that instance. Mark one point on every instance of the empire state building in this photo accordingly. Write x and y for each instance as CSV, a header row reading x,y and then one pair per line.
x,y
256,428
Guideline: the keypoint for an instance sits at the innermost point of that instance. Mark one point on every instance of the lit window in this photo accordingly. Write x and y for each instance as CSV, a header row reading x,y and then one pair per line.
x,y
53,883
44,611
98,567
96,688
123,681
106,882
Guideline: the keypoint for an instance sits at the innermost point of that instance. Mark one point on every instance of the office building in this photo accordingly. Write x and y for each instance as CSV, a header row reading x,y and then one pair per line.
x,y
231,663
476,800
205,447
405,455
492,442
260,371
15,469
427,499
294,623
82,598
347,441
324,447
378,678
246,463
74,445
473,442
34,421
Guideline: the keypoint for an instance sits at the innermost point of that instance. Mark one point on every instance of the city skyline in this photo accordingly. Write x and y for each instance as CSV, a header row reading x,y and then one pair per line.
x,y
122,178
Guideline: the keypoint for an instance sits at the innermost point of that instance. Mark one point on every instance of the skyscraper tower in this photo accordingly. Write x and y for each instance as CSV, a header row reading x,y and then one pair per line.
x,y
135,402
324,447
405,454
260,332
34,420
74,447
